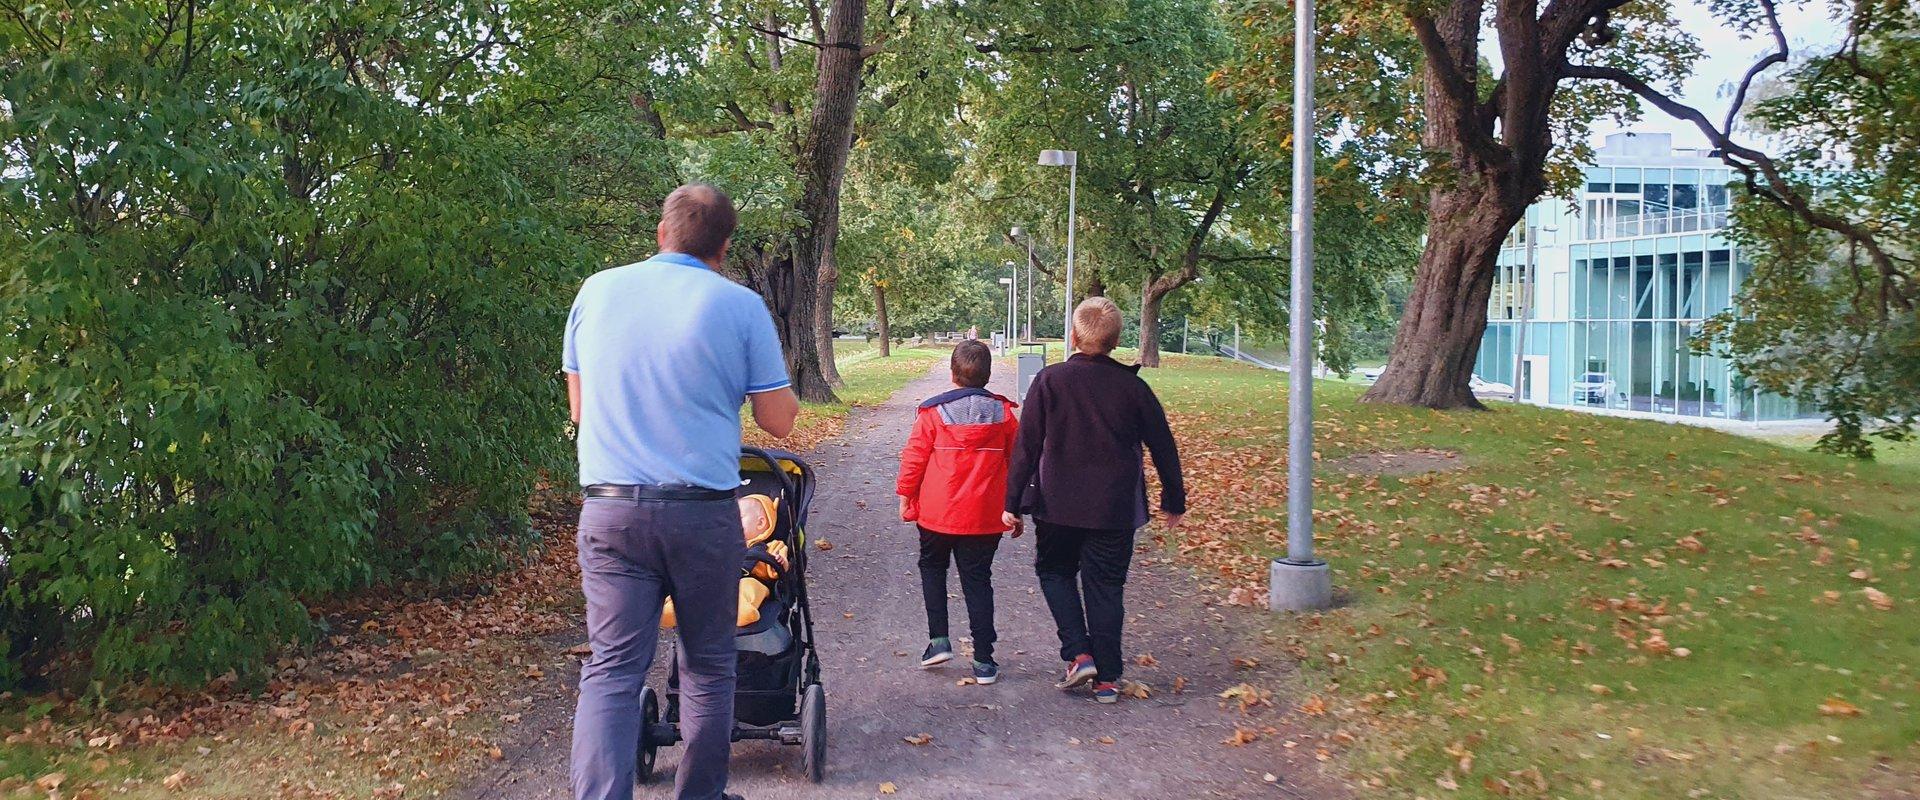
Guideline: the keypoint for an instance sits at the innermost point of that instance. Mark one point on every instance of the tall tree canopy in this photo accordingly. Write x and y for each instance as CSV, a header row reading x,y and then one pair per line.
x,y
1469,145
1828,315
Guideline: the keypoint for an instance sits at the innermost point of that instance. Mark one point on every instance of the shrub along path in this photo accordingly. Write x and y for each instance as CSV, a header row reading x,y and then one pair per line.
x,y
1018,738
402,696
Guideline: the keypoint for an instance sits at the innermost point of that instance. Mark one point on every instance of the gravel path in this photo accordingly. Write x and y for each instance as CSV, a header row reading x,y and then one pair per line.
x,y
1018,738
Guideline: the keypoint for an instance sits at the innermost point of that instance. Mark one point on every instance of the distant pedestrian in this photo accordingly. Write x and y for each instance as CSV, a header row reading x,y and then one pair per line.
x,y
953,475
659,357
1077,470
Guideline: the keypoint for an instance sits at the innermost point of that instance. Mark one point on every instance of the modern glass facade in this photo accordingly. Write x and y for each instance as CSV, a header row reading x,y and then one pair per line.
x,y
1620,281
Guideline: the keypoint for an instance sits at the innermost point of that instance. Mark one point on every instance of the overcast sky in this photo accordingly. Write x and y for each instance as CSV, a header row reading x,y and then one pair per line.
x,y
1724,58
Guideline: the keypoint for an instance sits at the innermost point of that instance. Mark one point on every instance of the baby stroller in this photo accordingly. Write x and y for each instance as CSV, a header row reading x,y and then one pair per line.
x,y
778,696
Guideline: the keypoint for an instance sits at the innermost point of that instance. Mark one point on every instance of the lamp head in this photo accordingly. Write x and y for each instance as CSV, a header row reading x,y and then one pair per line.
x,y
1017,232
1058,158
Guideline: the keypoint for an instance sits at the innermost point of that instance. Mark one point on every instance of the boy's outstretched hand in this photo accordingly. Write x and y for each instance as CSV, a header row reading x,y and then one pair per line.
x,y
1173,520
1012,520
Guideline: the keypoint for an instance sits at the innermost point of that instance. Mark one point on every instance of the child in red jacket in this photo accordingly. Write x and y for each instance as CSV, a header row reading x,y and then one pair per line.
x,y
953,476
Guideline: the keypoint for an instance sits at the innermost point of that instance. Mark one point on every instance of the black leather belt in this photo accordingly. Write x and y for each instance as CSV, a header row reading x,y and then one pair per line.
x,y
658,492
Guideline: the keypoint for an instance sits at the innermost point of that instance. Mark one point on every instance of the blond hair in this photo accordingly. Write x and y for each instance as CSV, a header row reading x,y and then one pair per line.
x,y
1096,326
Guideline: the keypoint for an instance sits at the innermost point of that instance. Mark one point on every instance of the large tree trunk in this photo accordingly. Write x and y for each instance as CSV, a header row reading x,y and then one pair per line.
x,y
775,274
880,315
1439,335
822,165
1151,295
1491,182
1149,326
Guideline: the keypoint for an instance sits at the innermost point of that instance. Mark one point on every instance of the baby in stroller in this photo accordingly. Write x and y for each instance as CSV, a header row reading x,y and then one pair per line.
x,y
766,559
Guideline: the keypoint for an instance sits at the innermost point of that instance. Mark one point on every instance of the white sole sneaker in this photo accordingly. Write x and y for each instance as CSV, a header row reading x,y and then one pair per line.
x,y
937,660
1078,677
985,681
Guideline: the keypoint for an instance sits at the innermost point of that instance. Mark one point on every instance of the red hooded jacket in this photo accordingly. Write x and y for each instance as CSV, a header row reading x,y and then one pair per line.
x,y
953,471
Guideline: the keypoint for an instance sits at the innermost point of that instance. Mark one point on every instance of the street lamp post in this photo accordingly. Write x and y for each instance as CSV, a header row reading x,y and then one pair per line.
x,y
1013,304
1019,232
1071,160
1301,582
1008,341
1525,286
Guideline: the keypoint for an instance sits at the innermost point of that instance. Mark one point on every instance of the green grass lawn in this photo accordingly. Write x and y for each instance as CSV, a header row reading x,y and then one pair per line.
x,y
1905,454
1585,607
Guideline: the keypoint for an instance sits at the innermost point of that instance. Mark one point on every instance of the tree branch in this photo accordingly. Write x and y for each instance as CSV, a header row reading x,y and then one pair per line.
x,y
1754,165
1440,60
991,47
1778,56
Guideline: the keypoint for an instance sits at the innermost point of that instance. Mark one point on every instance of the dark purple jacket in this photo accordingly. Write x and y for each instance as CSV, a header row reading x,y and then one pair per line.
x,y
1077,461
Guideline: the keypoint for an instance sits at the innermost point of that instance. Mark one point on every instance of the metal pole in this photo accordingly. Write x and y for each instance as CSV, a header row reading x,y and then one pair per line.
x,y
1524,285
1073,183
1300,581
1029,286
1236,340
1183,335
1013,295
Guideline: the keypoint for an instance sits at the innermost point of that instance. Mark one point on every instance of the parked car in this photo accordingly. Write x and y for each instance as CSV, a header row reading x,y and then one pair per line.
x,y
1370,375
1486,388
1593,388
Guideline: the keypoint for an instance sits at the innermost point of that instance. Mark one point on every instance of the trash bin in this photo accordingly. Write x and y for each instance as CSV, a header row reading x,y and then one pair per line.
x,y
1030,364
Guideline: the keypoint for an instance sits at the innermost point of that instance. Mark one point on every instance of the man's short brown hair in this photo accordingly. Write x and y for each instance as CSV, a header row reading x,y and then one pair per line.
x,y
1096,326
697,219
972,364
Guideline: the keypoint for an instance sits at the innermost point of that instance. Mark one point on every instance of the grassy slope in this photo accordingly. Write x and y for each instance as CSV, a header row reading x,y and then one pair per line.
x,y
1500,635
1905,454
425,709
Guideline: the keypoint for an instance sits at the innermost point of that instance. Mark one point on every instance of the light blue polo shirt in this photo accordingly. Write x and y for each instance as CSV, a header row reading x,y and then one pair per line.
x,y
667,350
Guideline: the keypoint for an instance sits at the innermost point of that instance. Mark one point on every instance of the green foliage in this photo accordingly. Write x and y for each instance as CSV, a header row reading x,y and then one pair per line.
x,y
908,238
280,311
1823,318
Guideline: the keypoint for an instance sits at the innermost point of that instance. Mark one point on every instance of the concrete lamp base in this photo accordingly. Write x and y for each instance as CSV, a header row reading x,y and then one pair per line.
x,y
1299,587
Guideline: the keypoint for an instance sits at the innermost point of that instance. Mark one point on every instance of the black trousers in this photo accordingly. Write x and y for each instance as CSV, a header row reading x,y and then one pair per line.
x,y
1076,563
972,556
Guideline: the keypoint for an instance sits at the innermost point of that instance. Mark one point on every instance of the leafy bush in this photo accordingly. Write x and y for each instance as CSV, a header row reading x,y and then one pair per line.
x,y
280,319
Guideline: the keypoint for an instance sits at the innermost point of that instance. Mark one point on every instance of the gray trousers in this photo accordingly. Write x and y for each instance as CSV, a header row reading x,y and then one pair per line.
x,y
634,555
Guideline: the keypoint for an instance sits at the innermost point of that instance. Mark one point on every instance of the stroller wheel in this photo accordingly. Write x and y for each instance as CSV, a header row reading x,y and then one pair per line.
x,y
813,733
649,751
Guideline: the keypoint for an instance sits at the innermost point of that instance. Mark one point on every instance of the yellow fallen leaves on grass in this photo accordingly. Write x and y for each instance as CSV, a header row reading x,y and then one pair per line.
x,y
1837,707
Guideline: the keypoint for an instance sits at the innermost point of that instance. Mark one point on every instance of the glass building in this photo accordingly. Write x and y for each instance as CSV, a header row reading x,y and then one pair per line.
x,y
1619,282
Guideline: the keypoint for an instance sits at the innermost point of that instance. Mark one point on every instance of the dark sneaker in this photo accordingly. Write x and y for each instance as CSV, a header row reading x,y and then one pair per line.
x,y
985,672
939,651
1078,672
1104,692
